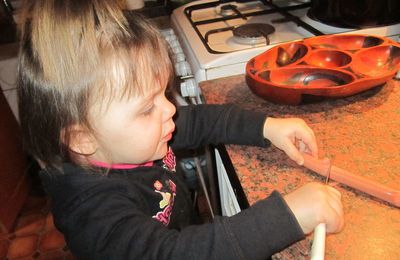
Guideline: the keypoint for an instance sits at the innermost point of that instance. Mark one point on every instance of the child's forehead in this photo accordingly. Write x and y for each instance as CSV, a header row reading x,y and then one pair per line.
x,y
134,76
130,72
136,90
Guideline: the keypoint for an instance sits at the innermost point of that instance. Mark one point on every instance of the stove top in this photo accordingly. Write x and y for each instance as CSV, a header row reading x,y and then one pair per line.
x,y
207,31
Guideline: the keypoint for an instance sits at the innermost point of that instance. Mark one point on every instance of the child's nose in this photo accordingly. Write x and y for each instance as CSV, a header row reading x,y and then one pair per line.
x,y
169,110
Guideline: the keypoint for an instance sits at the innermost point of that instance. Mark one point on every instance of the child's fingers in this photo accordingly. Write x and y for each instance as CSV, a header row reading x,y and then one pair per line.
x,y
302,147
336,201
334,191
336,215
336,222
293,153
307,137
334,183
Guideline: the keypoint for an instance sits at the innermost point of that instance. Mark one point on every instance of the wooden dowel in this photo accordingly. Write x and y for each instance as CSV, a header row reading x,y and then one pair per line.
x,y
352,180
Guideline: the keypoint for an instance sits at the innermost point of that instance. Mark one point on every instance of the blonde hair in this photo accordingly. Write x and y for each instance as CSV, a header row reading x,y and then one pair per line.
x,y
77,52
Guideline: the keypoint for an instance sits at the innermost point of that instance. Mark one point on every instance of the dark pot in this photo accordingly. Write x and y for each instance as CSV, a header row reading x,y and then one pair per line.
x,y
355,13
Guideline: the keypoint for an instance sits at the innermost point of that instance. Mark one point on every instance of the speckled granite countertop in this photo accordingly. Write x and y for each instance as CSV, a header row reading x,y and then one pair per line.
x,y
361,134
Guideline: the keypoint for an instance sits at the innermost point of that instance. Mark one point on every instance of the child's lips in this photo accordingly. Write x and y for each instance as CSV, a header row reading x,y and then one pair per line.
x,y
169,135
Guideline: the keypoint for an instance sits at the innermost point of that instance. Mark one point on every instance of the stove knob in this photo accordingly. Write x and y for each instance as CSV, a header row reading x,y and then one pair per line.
x,y
177,49
179,57
189,88
171,38
174,44
183,69
167,32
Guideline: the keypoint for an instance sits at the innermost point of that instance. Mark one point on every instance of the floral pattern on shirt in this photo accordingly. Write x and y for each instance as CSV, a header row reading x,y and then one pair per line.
x,y
166,190
167,201
169,161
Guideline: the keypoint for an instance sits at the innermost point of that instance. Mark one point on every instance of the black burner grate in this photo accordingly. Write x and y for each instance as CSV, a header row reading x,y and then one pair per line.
x,y
284,11
252,33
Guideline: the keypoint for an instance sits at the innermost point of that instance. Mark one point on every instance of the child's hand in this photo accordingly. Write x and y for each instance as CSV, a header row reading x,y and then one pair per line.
x,y
316,203
285,133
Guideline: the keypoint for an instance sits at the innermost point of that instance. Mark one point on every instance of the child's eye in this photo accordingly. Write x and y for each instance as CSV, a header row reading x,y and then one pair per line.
x,y
148,111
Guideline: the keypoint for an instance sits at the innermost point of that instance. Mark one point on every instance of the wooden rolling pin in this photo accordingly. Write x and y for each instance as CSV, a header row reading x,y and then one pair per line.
x,y
352,180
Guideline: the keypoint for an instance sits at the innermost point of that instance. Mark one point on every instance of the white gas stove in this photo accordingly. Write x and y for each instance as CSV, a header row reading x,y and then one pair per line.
x,y
213,45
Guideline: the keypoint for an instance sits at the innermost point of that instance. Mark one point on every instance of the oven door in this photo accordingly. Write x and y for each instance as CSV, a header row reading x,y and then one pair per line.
x,y
355,13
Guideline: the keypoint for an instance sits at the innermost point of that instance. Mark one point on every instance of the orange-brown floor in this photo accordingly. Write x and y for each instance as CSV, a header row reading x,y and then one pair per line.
x,y
35,236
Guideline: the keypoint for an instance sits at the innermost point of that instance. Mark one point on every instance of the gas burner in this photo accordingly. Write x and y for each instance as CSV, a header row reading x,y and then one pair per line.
x,y
226,10
253,33
229,10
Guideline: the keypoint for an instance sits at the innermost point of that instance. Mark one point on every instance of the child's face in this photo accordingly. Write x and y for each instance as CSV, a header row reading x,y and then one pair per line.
x,y
134,130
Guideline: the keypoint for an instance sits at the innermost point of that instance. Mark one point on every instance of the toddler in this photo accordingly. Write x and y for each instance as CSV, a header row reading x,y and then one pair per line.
x,y
92,86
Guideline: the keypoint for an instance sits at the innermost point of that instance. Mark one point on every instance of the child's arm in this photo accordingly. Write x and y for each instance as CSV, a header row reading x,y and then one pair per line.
x,y
287,133
227,124
201,125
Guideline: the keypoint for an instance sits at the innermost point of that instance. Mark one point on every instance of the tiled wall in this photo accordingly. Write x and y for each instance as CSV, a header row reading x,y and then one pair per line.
x,y
8,62
8,71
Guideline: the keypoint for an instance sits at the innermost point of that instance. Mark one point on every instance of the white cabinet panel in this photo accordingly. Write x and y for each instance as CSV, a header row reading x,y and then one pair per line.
x,y
229,203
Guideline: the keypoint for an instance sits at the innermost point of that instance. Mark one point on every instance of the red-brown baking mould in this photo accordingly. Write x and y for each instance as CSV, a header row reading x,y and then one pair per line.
x,y
349,42
283,55
330,66
326,58
377,61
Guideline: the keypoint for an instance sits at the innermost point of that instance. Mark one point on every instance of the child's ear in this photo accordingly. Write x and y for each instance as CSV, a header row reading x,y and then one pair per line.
x,y
79,140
